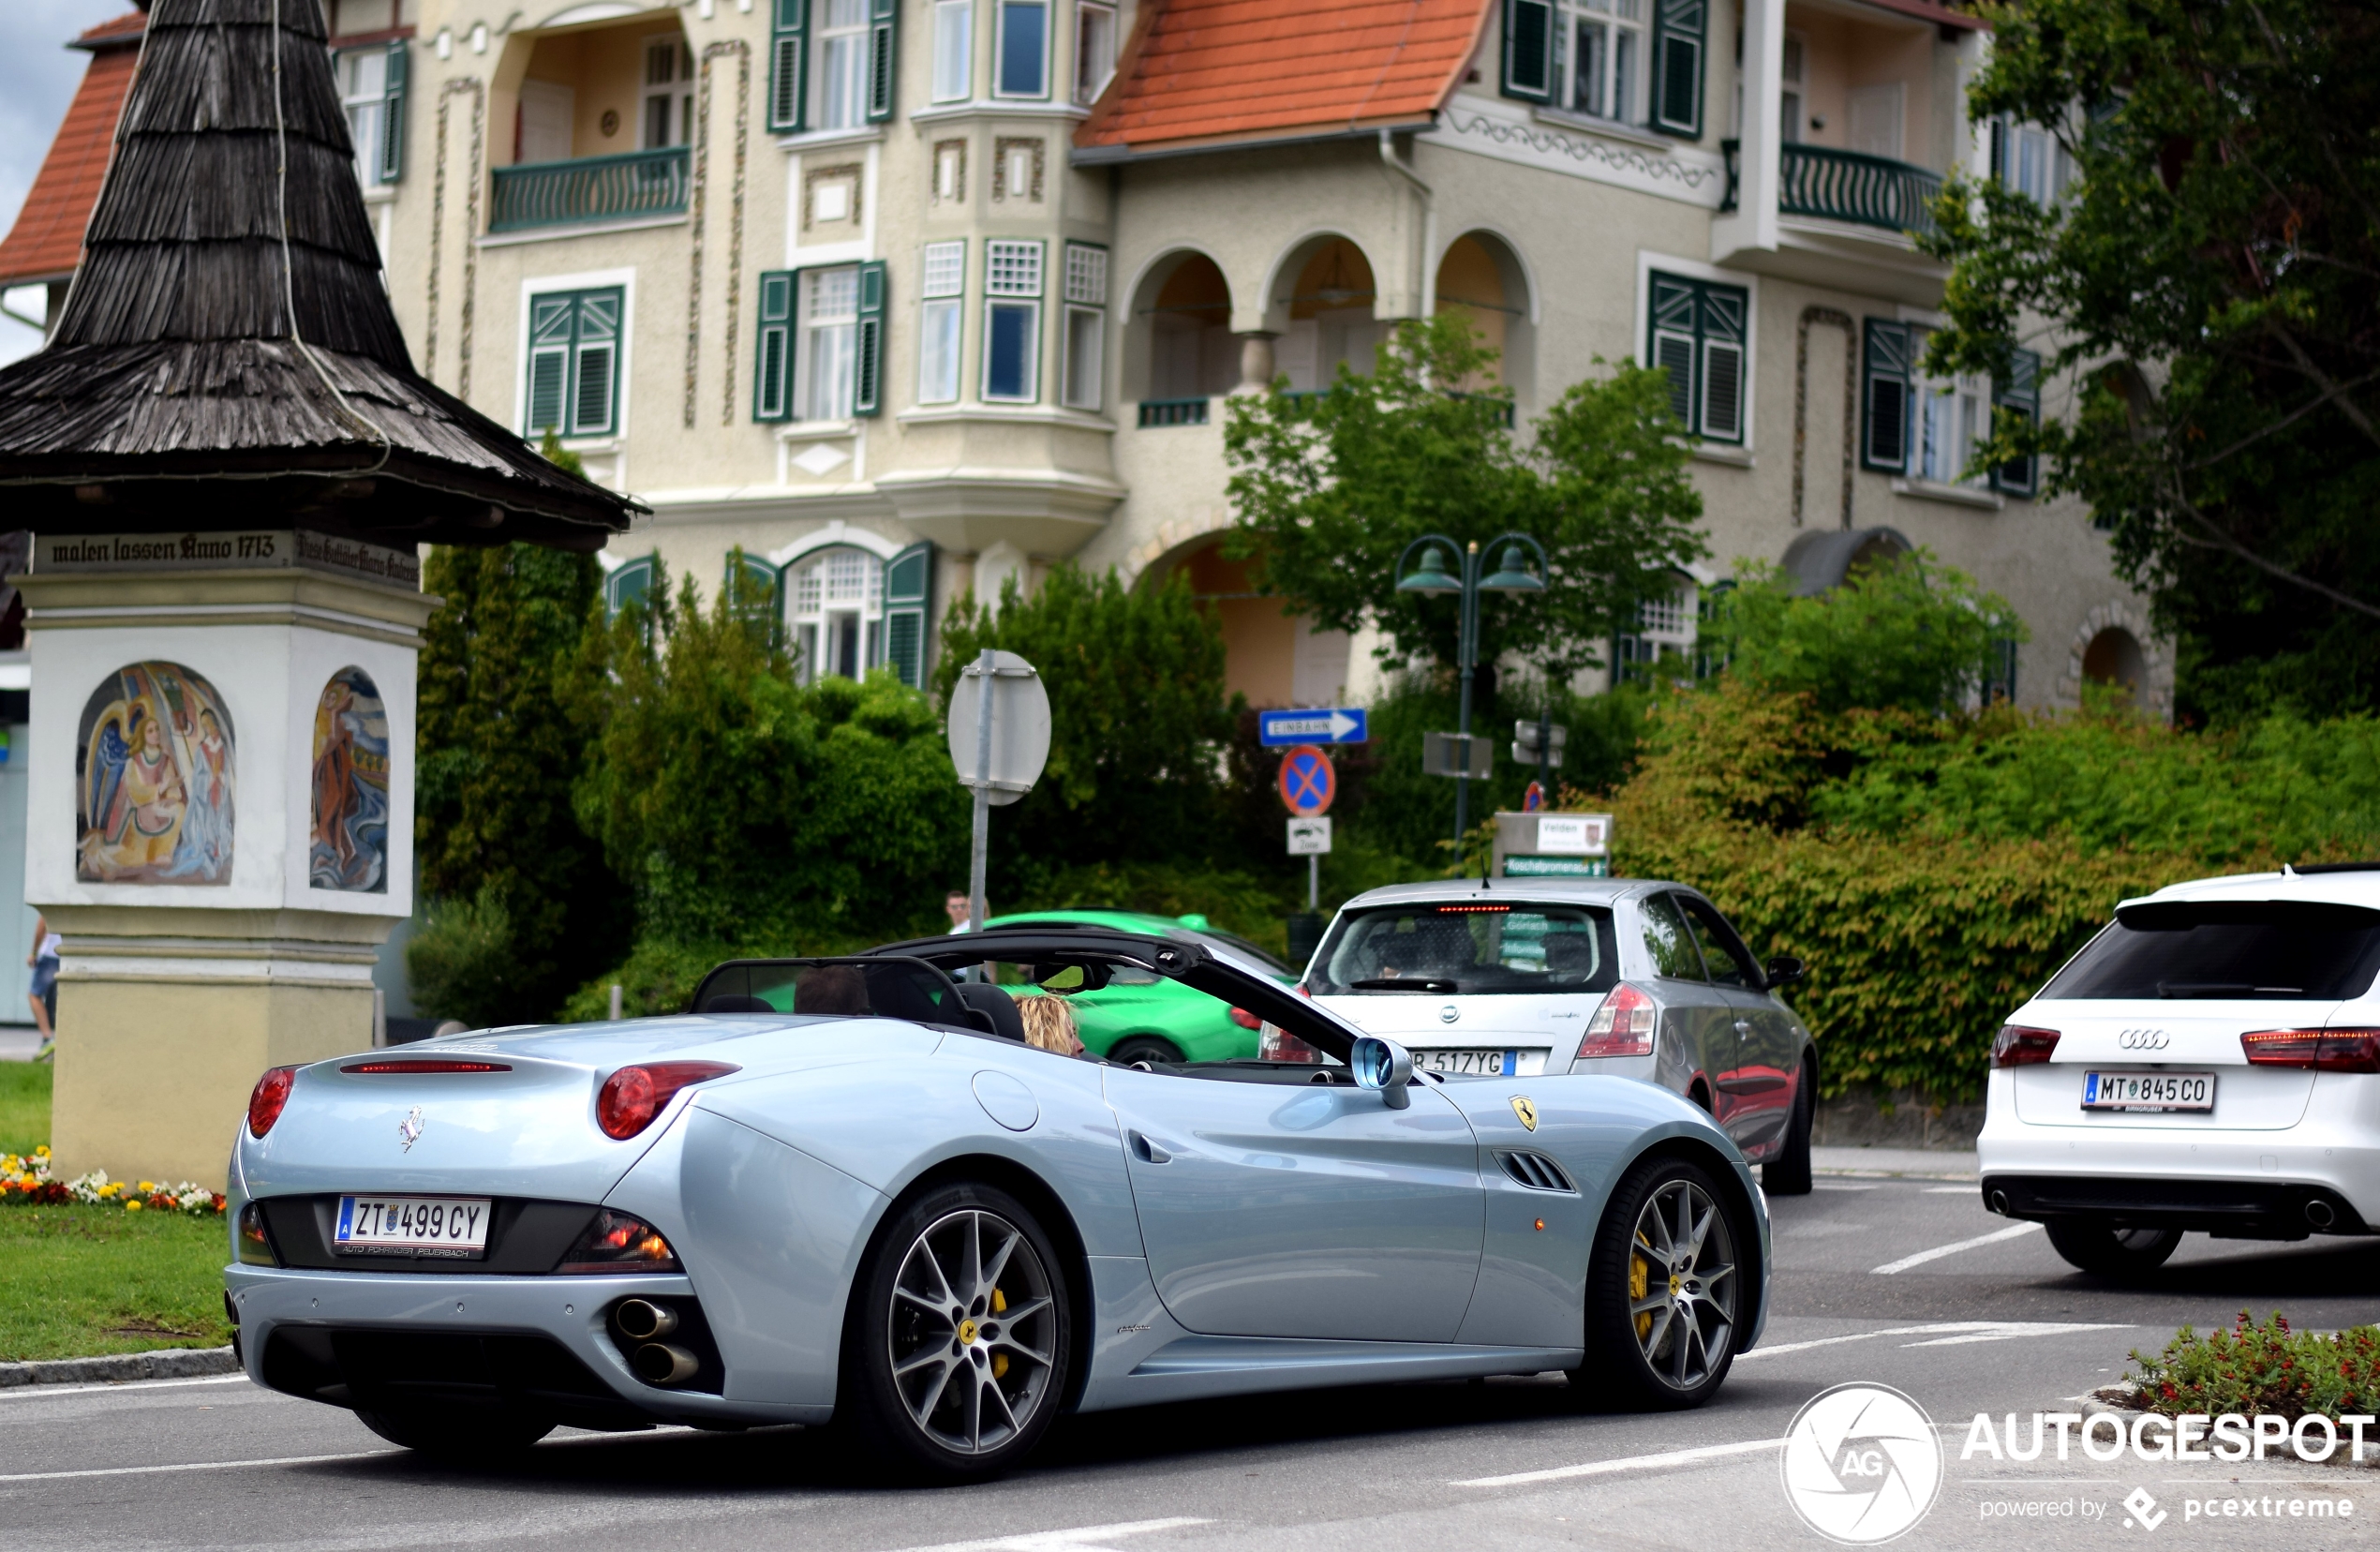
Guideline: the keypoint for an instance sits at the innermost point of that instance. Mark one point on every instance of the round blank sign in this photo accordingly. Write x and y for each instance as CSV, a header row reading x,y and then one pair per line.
x,y
1020,727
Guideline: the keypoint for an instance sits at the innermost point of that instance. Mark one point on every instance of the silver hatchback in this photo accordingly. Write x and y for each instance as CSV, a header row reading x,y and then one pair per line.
x,y
1634,978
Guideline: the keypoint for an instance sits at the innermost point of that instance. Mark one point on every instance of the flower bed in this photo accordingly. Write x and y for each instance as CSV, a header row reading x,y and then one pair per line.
x,y
25,1178
2255,1370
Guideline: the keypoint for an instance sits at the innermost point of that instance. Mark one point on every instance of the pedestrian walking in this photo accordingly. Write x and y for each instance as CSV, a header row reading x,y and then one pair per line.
x,y
43,995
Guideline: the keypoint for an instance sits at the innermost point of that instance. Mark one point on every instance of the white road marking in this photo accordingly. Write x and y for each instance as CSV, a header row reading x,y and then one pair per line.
x,y
2014,1230
1628,1463
196,1466
37,1393
1823,1187
1084,1538
1948,1190
1962,1330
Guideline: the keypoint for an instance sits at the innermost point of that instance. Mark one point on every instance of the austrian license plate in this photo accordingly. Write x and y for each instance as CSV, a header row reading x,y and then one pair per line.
x,y
452,1228
2148,1091
1490,1064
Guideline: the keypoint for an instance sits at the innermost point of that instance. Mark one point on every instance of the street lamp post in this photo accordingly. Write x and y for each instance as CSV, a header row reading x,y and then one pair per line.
x,y
1512,575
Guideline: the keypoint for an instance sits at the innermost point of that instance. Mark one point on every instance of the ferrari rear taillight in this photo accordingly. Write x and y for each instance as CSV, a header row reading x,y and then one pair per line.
x,y
1276,1044
2321,1049
615,1242
2017,1046
255,1244
418,1064
1623,1026
271,1092
631,1096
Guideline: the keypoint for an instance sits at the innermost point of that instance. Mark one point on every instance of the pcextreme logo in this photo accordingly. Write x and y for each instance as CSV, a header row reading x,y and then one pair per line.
x,y
1862,1464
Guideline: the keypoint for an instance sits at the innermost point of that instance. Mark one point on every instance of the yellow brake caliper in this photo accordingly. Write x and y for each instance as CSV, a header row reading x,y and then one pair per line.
x,y
999,1360
1640,1278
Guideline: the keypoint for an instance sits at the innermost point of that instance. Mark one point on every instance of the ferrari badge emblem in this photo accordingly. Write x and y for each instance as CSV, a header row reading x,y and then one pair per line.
x,y
1522,1107
409,1129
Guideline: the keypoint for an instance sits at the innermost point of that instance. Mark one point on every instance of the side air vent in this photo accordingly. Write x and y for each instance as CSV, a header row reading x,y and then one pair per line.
x,y
1534,1171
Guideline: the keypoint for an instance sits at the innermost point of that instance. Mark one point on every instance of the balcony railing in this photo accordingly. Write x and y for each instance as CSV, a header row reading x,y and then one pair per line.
x,y
1846,186
592,189
1180,411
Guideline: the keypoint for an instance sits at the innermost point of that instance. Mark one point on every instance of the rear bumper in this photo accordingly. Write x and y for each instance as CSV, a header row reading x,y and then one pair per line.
x,y
2232,1209
323,1335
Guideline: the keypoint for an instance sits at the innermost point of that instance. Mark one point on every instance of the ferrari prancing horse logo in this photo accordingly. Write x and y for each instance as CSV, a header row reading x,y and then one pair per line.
x,y
1525,1110
409,1129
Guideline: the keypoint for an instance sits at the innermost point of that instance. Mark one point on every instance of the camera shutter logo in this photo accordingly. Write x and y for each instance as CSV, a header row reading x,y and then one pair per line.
x,y
1862,1464
2144,1039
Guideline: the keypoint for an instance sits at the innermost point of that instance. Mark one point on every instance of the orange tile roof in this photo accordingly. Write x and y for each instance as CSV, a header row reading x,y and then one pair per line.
x,y
46,241
1216,71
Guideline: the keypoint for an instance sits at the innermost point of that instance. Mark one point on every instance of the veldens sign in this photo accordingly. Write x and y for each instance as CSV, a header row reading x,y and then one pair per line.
x,y
243,549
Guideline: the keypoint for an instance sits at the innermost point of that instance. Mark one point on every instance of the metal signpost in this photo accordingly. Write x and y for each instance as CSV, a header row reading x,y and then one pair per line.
x,y
1308,783
999,733
1341,724
1512,575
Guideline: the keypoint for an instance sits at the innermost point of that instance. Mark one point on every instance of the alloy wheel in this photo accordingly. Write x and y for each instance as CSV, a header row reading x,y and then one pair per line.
x,y
974,1332
1681,1284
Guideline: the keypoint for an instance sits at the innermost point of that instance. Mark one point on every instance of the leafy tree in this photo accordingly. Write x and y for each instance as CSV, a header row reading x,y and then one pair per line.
x,y
1329,489
1138,715
1907,634
2212,280
525,908
744,808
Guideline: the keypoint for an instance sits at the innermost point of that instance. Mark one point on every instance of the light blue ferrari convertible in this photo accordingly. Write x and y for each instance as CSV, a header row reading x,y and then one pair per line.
x,y
849,1191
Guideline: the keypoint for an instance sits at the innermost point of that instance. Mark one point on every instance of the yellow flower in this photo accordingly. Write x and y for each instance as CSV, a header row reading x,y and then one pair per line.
x,y
133,1206
42,1152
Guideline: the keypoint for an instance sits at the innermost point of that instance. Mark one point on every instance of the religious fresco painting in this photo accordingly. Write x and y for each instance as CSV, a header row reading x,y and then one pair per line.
x,y
350,835
153,779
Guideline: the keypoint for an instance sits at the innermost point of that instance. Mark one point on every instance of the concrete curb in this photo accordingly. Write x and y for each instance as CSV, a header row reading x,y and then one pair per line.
x,y
163,1363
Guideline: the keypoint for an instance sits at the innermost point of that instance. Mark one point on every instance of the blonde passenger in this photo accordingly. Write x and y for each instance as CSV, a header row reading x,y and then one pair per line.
x,y
1050,1024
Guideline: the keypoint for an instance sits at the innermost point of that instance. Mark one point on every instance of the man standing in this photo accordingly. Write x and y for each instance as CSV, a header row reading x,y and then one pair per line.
x,y
956,907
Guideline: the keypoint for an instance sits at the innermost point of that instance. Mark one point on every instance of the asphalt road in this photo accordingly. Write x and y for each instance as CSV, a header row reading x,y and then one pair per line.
x,y
1998,1325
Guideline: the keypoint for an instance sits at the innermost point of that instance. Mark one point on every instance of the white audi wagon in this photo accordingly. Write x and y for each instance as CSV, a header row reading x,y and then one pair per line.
x,y
2210,1061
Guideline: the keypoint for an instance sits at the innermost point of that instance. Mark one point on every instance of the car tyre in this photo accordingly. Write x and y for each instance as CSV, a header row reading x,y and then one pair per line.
x,y
959,1348
2110,1250
1666,1291
1789,1173
1143,1048
455,1435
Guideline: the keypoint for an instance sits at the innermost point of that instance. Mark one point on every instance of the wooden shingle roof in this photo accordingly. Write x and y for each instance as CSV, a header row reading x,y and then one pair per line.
x,y
1203,73
227,354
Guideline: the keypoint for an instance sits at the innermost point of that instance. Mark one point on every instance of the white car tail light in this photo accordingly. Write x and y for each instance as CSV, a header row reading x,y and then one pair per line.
x,y
1623,1026
2321,1049
2017,1046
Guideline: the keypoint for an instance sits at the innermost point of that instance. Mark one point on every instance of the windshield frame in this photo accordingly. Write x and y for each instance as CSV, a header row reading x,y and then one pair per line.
x,y
1602,918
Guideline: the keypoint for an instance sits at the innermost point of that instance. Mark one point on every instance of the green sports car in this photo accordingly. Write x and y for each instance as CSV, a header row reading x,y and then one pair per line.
x,y
1138,1017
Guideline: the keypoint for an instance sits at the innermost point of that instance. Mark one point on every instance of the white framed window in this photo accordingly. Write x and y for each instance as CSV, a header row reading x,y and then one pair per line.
x,y
1012,321
830,349
1954,414
1699,333
1666,626
1084,348
669,93
364,82
1607,55
1094,49
953,49
2028,160
835,606
1020,63
574,362
1791,108
842,70
941,321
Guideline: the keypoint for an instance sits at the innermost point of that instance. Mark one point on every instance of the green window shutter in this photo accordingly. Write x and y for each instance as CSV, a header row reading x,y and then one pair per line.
x,y
1678,48
595,366
909,579
868,357
883,36
631,584
1670,345
773,348
1884,397
1528,49
2019,395
393,116
550,329
1725,322
786,59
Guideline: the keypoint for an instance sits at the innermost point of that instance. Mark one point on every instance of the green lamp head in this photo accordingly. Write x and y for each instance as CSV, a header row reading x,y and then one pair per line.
x,y
1433,578
1512,575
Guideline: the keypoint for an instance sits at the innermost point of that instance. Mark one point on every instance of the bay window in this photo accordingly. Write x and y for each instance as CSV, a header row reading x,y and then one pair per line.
x,y
941,321
1012,321
1021,60
953,49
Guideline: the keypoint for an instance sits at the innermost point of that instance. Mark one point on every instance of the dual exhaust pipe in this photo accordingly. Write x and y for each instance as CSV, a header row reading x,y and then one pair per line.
x,y
655,1361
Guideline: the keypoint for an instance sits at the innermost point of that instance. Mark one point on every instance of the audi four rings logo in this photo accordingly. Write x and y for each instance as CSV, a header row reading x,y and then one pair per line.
x,y
2143,1039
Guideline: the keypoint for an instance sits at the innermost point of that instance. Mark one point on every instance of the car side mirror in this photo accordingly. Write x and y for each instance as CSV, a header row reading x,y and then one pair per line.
x,y
1385,1065
1783,970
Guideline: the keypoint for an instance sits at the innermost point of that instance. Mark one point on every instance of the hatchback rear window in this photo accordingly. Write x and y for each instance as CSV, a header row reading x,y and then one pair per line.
x,y
1470,948
2279,949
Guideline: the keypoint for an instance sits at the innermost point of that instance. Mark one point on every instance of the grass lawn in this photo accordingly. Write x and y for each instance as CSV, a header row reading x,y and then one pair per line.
x,y
76,1281
24,1105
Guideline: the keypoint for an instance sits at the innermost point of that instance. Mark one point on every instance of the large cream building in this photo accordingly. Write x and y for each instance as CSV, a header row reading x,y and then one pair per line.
x,y
904,297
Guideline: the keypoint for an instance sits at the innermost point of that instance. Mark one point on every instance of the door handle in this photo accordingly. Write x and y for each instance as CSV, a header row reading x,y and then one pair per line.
x,y
1150,1153
1743,1027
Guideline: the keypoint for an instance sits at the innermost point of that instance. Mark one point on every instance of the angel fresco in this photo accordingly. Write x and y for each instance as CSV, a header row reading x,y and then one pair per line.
x,y
154,780
350,845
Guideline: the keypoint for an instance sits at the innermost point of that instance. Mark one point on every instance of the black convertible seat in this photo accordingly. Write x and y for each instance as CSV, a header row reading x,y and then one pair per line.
x,y
997,1005
447,1370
